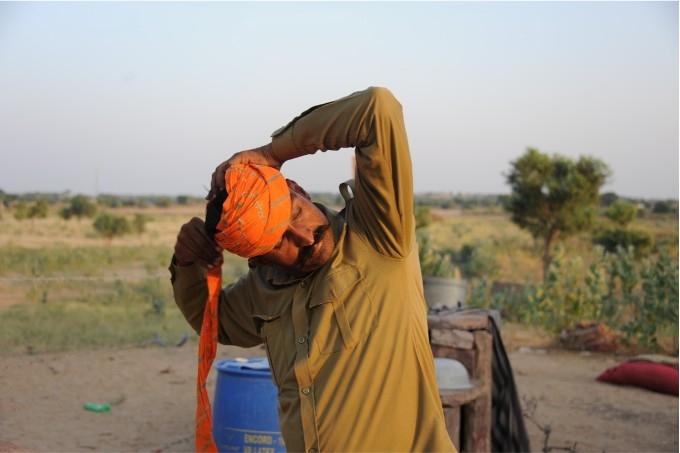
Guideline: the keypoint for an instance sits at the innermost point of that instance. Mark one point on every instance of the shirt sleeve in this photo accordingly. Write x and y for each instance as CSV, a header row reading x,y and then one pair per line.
x,y
372,122
236,325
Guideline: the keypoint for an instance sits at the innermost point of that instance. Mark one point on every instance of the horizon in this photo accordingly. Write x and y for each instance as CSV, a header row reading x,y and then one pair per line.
x,y
148,98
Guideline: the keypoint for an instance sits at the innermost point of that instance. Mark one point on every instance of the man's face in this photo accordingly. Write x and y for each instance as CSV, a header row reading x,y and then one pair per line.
x,y
307,243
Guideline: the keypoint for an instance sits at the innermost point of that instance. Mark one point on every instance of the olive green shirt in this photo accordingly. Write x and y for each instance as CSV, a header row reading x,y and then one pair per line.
x,y
348,344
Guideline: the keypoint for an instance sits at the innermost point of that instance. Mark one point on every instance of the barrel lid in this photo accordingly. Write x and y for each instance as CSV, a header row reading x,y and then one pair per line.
x,y
244,365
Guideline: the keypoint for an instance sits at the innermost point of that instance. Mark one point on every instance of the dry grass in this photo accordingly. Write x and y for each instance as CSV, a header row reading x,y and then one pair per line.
x,y
81,290
63,287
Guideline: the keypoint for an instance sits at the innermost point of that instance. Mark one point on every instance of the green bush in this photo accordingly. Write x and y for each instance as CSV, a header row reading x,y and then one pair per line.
x,y
639,299
163,202
110,201
110,225
665,207
79,206
476,261
608,198
433,263
423,216
21,210
622,213
38,210
139,223
614,238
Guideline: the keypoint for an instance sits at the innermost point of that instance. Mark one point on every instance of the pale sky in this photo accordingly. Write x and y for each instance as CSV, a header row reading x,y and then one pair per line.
x,y
147,98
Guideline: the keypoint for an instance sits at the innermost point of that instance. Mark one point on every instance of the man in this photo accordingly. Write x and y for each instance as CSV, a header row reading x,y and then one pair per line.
x,y
336,299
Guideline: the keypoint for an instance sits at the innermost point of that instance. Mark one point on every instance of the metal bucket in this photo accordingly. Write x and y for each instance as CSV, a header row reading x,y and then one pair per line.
x,y
445,292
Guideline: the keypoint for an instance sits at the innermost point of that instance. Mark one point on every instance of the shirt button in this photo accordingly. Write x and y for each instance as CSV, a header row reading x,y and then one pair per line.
x,y
300,340
305,391
303,284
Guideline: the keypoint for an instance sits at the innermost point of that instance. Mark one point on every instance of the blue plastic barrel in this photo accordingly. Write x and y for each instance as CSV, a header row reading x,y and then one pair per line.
x,y
245,407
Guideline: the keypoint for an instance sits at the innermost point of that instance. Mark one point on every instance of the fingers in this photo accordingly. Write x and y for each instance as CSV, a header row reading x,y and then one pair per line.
x,y
257,156
194,245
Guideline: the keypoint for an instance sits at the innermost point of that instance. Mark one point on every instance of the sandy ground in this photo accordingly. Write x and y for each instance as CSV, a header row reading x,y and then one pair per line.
x,y
42,397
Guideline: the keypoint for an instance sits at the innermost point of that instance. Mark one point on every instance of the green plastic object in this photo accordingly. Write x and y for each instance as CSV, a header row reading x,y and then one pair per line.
x,y
97,407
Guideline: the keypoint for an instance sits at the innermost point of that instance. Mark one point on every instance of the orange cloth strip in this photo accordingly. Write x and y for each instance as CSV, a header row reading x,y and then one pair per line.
x,y
207,348
255,215
256,211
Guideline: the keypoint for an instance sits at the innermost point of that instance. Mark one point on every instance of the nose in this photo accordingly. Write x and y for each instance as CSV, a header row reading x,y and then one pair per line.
x,y
301,235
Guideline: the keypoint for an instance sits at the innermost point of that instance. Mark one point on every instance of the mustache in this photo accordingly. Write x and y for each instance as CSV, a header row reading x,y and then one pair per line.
x,y
306,252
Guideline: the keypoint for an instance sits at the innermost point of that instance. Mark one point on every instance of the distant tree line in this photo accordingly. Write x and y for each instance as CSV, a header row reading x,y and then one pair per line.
x,y
10,200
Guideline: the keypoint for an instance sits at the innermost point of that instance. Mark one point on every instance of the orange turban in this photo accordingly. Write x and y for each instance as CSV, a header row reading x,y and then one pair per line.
x,y
256,211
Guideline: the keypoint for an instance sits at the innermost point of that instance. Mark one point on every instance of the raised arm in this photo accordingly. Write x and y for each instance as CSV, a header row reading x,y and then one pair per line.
x,y
372,122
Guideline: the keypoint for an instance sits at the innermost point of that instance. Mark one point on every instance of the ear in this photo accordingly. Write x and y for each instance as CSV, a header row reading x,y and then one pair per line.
x,y
295,187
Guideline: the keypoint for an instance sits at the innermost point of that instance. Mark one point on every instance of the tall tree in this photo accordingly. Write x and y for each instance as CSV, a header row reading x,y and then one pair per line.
x,y
554,196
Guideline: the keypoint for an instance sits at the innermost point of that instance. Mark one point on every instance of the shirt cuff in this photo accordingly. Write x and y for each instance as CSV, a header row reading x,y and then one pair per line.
x,y
282,142
189,272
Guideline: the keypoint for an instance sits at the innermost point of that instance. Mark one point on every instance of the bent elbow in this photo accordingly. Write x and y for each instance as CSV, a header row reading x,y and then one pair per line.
x,y
383,100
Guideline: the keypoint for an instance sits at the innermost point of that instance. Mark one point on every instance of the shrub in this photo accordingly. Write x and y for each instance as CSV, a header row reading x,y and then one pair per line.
x,y
163,202
639,299
622,213
433,263
423,216
110,225
21,211
38,210
608,198
615,238
664,207
139,223
79,206
110,201
476,261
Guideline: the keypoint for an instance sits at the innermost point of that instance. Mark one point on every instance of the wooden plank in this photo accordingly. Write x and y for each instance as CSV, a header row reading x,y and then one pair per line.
x,y
460,321
453,398
476,435
461,339
452,419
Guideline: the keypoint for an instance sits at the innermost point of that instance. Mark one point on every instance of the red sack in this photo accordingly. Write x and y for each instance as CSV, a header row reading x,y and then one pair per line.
x,y
647,375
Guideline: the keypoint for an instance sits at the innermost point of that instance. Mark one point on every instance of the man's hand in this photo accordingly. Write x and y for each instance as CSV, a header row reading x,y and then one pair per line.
x,y
258,156
195,246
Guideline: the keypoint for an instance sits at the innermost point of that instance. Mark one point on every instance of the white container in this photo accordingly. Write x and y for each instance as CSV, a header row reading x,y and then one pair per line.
x,y
451,374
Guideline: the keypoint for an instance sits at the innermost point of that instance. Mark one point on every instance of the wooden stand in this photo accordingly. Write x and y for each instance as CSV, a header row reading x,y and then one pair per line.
x,y
465,336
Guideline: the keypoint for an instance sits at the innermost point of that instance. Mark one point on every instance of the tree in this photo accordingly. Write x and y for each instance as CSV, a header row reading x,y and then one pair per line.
x,y
622,213
664,207
554,196
608,198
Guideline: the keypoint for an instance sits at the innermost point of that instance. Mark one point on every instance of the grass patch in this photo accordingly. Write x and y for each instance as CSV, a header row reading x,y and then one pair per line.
x,y
82,261
112,314
60,315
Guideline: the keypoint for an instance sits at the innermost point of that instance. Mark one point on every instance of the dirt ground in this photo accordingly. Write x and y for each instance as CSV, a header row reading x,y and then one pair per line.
x,y
41,402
